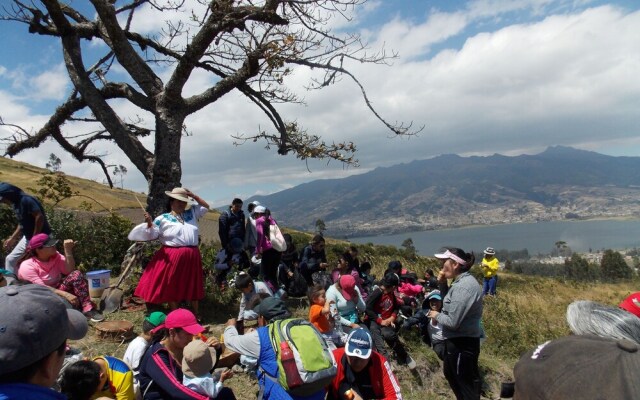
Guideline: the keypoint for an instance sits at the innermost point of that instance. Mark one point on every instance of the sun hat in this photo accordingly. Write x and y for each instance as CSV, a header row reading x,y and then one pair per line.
x,y
579,367
272,307
632,304
489,251
348,287
198,359
34,322
180,194
156,318
42,240
449,255
359,344
259,210
181,318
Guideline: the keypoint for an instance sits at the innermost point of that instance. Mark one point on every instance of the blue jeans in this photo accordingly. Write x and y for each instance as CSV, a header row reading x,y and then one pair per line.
x,y
489,285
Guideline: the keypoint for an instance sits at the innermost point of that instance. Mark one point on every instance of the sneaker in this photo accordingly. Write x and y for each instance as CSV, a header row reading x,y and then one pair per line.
x,y
94,316
411,363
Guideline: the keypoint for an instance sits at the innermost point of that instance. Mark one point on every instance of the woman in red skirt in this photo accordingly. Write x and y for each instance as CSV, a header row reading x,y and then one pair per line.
x,y
174,274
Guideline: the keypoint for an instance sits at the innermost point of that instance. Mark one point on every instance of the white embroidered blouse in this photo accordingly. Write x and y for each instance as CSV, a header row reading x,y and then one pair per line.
x,y
169,230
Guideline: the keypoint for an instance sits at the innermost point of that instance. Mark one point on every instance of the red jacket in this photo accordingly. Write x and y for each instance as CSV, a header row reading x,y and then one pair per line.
x,y
385,385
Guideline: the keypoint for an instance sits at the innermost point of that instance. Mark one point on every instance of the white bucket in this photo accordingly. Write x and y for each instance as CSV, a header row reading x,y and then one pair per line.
x,y
98,281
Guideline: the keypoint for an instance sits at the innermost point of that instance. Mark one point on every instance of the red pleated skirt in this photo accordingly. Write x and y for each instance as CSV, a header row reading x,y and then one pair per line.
x,y
173,274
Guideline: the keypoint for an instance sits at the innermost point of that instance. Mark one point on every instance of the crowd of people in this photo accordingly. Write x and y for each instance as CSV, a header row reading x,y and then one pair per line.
x,y
349,347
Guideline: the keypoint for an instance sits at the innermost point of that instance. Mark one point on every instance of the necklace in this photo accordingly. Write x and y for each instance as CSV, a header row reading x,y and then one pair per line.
x,y
178,217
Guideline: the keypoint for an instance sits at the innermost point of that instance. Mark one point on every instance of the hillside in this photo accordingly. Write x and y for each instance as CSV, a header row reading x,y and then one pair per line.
x,y
100,197
452,191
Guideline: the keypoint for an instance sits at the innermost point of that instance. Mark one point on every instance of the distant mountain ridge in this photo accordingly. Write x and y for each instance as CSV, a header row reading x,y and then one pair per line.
x,y
449,191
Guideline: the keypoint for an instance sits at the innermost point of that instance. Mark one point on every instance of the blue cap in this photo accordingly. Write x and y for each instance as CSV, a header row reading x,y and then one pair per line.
x,y
434,295
359,344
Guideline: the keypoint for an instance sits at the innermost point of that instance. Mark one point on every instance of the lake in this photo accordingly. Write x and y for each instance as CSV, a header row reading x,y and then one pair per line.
x,y
536,237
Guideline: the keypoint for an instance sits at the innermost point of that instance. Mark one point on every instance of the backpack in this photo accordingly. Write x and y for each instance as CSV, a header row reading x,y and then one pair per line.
x,y
276,238
297,285
314,360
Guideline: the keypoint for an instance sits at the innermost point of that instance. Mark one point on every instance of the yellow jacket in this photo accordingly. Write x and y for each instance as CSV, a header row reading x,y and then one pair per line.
x,y
490,267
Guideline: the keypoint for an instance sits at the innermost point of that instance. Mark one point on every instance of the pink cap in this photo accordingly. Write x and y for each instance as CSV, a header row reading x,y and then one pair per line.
x,y
348,286
42,240
632,304
183,319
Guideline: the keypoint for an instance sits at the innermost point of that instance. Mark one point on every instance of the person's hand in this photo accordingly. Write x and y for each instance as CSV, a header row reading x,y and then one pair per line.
x,y
384,322
441,277
323,265
231,322
226,374
71,299
290,274
433,314
9,243
148,219
213,342
68,245
355,326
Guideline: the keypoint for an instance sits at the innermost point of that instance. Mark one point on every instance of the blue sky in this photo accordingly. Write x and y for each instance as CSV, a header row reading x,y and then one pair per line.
x,y
484,77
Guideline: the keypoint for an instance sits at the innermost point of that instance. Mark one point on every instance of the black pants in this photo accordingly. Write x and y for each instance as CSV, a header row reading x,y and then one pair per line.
x,y
269,266
461,367
382,334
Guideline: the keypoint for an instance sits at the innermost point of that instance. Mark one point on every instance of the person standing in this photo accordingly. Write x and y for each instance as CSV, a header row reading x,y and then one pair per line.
x,y
175,272
490,266
231,224
270,257
250,234
31,221
460,320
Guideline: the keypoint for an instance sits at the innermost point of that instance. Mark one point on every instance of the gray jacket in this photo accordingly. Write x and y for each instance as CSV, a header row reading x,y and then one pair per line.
x,y
461,308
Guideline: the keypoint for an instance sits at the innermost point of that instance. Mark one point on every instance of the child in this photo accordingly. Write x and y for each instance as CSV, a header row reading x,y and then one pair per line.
x,y
249,289
198,360
430,330
367,279
138,346
322,317
382,311
103,377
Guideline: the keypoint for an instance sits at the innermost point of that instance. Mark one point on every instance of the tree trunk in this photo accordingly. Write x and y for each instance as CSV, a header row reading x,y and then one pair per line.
x,y
167,169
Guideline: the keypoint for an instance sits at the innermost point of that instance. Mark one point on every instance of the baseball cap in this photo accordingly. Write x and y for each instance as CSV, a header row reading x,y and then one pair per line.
x,y
578,367
42,240
632,304
271,308
348,287
181,318
198,359
156,318
359,344
33,323
434,295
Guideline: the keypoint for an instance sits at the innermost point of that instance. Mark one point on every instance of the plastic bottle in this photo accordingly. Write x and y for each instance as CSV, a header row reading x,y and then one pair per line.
x,y
336,317
289,364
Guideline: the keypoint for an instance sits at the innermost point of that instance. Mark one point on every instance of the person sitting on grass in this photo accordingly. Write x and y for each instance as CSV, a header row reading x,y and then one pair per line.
x,y
250,289
348,301
363,373
381,313
105,378
227,258
139,345
430,329
44,265
320,315
198,361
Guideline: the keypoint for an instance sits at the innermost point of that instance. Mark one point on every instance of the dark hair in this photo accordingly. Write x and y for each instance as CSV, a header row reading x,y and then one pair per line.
x,y
469,258
159,335
251,206
317,239
395,265
147,326
25,374
80,380
243,280
266,224
236,201
430,272
353,248
365,266
314,292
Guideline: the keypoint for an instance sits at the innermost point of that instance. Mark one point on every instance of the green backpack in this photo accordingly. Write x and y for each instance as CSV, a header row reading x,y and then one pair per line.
x,y
314,360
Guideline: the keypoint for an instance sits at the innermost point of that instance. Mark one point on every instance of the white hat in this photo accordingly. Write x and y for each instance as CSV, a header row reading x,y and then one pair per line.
x,y
180,194
490,251
259,210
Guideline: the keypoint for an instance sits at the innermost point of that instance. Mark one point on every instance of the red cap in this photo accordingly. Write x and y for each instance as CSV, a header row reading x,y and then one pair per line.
x,y
348,286
632,304
181,318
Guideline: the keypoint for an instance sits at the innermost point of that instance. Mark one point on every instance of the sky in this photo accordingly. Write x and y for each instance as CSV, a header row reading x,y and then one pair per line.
x,y
483,77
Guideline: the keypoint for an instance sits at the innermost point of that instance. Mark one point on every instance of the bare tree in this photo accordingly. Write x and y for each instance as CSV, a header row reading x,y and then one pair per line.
x,y
249,45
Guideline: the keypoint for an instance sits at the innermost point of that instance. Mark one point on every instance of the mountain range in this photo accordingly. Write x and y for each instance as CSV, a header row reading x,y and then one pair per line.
x,y
452,191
